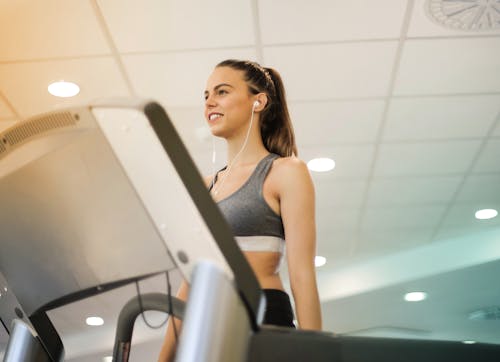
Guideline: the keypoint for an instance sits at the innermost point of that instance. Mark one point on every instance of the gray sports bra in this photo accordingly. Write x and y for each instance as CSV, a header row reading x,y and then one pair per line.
x,y
256,226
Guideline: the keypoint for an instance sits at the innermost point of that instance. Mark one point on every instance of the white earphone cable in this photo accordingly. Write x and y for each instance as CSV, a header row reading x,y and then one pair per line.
x,y
216,190
213,161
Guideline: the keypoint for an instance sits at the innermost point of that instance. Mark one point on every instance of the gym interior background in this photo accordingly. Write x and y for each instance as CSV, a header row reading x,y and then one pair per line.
x,y
403,95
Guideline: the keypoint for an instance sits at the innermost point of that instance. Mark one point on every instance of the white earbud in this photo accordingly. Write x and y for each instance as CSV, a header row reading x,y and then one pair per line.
x,y
256,104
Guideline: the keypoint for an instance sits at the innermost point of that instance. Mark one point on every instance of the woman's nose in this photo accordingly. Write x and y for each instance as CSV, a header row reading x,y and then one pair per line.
x,y
209,101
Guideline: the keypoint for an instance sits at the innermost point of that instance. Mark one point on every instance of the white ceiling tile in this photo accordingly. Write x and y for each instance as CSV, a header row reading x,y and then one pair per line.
x,y
331,123
464,231
329,20
155,25
331,238
376,242
461,215
435,158
334,71
25,84
489,160
409,216
178,79
51,28
496,131
441,117
350,161
4,124
331,218
5,111
480,188
339,194
422,25
440,66
412,190
335,245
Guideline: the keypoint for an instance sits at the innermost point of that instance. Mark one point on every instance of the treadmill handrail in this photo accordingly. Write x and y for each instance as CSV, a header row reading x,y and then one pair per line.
x,y
132,309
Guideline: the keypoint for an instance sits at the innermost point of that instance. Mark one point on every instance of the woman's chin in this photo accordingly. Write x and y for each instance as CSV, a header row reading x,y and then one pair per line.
x,y
217,131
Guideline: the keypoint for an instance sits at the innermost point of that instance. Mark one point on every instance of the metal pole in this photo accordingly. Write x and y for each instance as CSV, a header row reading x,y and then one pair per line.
x,y
216,326
24,346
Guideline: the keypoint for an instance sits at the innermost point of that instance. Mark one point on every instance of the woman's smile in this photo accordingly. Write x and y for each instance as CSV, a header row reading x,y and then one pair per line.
x,y
213,116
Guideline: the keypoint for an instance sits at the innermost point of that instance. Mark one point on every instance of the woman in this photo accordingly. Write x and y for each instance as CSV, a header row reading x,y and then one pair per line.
x,y
265,192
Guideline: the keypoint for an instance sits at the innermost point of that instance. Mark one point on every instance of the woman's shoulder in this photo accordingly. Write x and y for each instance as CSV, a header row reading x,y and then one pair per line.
x,y
290,165
290,170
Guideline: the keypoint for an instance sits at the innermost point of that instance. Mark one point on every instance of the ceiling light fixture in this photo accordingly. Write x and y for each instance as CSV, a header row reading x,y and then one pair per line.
x,y
321,164
63,89
319,261
486,214
94,321
415,296
468,342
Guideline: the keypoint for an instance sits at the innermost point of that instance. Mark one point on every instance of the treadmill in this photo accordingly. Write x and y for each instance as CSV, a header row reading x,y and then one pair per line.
x,y
100,196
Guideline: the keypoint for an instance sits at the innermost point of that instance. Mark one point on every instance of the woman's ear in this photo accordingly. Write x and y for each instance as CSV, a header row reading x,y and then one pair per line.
x,y
260,102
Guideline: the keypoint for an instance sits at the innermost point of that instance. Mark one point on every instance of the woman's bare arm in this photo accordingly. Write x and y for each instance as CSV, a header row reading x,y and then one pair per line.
x,y
297,211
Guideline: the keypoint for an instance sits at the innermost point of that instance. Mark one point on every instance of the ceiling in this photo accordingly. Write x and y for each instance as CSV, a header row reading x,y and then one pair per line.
x,y
408,109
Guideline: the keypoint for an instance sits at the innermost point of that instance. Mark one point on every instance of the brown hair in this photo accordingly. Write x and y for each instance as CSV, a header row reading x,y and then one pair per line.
x,y
275,124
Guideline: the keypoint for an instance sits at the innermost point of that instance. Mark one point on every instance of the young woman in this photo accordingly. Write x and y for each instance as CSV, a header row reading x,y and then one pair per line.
x,y
265,192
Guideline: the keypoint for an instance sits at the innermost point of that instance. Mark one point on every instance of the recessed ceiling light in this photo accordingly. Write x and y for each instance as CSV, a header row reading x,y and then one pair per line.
x,y
94,321
486,214
468,342
321,164
63,89
415,296
319,261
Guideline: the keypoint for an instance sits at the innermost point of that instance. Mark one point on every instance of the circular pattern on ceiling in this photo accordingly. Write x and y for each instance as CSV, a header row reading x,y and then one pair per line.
x,y
470,15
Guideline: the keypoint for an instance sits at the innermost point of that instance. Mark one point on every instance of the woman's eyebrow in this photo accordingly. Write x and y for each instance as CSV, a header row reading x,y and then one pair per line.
x,y
218,86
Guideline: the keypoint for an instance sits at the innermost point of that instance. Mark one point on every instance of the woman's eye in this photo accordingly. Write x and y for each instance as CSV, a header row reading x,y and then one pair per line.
x,y
221,91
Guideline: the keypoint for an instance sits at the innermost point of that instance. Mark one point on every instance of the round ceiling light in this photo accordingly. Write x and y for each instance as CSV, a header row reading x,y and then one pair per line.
x,y
469,342
319,261
486,214
415,296
470,15
94,321
63,89
321,164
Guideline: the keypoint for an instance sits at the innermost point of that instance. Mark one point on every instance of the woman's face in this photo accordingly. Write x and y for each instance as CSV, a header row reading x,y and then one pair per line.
x,y
228,103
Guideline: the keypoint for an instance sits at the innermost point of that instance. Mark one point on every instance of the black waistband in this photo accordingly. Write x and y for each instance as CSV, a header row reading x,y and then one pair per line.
x,y
278,308
276,292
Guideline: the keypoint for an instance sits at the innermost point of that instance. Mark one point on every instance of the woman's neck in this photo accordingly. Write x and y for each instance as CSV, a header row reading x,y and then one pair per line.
x,y
253,152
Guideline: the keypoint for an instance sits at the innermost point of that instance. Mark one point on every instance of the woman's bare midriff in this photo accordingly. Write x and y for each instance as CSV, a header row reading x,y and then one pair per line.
x,y
264,265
